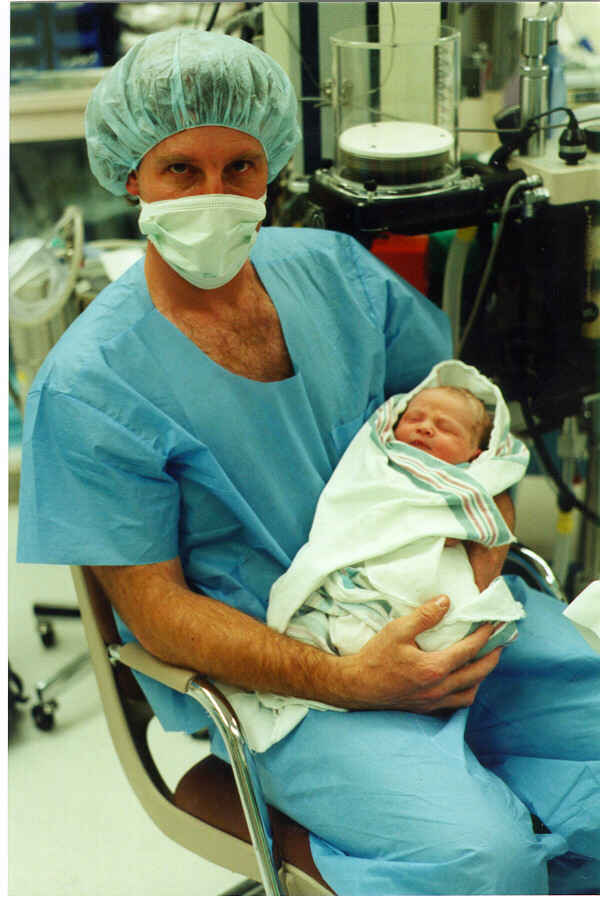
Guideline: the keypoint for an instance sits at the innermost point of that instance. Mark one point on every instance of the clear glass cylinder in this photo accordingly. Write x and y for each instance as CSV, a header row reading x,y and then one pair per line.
x,y
395,104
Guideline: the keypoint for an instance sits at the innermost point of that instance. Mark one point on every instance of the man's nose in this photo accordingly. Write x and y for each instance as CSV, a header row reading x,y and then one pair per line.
x,y
212,183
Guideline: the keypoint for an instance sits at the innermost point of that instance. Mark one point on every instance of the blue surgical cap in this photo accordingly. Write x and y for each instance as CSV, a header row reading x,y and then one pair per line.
x,y
181,79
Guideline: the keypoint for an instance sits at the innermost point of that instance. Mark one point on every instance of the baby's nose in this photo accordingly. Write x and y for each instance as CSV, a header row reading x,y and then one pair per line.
x,y
425,427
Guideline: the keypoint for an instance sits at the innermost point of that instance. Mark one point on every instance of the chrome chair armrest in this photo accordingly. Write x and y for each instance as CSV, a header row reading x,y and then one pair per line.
x,y
526,562
187,681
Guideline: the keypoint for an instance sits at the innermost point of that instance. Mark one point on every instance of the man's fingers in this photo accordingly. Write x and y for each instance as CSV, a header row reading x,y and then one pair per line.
x,y
465,650
457,700
458,689
429,614
473,673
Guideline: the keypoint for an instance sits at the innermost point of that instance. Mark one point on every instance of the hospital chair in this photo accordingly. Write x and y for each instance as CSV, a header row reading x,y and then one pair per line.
x,y
217,811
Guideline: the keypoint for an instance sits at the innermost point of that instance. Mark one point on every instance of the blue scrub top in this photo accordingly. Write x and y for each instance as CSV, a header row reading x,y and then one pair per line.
x,y
138,447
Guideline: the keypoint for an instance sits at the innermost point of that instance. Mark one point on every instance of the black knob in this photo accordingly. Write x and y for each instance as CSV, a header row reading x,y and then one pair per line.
x,y
572,145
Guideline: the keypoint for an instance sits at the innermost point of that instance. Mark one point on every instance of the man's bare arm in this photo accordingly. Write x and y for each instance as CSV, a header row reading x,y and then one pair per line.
x,y
199,632
487,562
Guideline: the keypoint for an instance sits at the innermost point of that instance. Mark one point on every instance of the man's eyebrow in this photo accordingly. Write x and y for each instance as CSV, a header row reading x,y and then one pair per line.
x,y
250,154
173,158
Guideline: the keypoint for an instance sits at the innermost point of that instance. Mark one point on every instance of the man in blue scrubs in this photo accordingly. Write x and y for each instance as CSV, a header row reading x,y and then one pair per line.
x,y
177,439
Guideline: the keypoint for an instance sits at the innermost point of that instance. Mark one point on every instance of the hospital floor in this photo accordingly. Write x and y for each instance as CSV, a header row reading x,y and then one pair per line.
x,y
75,827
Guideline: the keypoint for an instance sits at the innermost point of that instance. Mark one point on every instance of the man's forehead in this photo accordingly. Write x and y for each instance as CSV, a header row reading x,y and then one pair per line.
x,y
208,139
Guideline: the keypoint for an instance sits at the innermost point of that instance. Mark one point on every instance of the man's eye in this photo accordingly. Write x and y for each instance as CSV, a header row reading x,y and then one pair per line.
x,y
178,168
240,165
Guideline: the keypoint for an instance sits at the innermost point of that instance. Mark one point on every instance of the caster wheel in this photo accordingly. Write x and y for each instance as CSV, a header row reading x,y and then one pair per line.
x,y
47,633
43,716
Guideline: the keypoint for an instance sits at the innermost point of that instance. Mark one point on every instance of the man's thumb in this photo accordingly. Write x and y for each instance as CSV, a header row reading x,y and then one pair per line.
x,y
429,614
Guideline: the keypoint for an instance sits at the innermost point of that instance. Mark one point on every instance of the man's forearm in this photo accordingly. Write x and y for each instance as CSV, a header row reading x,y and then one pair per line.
x,y
389,672
192,630
487,562
507,508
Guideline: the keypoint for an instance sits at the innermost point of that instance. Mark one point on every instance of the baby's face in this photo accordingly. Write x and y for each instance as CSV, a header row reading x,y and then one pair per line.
x,y
440,423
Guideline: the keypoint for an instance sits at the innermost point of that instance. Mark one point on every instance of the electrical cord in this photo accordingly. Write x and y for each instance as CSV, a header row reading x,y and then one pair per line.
x,y
320,101
213,16
532,181
512,130
296,48
531,128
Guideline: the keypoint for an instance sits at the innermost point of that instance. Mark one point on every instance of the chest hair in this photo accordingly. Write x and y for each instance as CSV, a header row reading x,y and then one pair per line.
x,y
247,339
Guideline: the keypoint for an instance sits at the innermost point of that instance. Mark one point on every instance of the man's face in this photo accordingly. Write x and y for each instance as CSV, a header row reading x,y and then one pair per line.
x,y
440,423
207,160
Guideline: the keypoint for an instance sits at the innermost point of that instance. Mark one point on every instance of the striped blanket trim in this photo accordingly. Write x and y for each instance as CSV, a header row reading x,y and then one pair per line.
x,y
503,633
468,501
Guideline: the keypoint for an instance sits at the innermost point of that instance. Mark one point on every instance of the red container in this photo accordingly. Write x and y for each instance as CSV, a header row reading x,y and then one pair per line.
x,y
408,255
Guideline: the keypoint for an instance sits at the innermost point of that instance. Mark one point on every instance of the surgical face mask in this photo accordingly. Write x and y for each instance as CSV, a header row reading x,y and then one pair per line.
x,y
205,238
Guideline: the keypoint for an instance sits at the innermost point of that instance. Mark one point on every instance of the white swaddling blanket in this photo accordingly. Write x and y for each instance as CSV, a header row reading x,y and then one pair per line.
x,y
584,612
376,548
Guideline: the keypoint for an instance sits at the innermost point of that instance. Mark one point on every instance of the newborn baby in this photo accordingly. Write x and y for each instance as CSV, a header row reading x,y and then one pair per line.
x,y
389,533
450,423
396,520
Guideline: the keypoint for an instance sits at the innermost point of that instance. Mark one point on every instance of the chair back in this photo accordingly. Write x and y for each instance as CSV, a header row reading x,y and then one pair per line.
x,y
204,813
128,715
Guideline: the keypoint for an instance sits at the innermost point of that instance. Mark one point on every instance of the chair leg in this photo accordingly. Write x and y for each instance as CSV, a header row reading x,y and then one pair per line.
x,y
43,712
45,612
246,778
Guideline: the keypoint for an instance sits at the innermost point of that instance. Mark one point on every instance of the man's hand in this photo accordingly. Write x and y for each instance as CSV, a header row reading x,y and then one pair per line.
x,y
391,672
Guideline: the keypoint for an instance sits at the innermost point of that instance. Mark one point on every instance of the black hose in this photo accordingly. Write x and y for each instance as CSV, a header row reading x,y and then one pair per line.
x,y
567,499
213,16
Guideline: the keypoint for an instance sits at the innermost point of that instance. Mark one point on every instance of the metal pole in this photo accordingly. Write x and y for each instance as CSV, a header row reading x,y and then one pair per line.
x,y
533,85
248,783
58,680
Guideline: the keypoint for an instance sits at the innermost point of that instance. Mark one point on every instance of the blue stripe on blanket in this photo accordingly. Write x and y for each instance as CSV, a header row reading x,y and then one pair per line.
x,y
471,505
